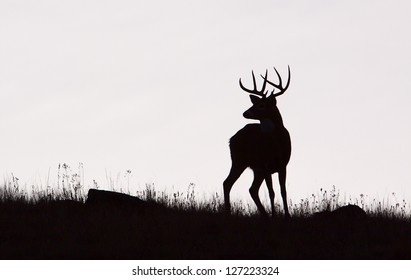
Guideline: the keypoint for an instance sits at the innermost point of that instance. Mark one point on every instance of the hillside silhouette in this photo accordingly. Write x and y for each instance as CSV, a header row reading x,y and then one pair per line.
x,y
111,225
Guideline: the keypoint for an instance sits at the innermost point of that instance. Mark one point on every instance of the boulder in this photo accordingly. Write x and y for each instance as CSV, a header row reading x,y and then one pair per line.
x,y
113,200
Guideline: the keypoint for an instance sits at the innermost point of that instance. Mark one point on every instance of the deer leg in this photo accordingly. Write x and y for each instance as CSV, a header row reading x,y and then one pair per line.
x,y
269,183
281,177
258,179
235,172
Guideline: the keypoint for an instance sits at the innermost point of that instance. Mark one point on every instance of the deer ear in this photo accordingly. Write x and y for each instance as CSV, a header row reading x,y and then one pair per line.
x,y
254,99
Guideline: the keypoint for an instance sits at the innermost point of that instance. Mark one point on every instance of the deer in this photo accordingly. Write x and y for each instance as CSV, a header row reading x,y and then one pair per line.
x,y
264,147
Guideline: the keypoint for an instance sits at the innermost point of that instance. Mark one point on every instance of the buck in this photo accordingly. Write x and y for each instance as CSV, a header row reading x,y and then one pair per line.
x,y
264,147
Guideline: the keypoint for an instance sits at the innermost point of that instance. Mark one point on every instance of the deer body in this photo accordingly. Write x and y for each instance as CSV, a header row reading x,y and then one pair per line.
x,y
268,151
263,147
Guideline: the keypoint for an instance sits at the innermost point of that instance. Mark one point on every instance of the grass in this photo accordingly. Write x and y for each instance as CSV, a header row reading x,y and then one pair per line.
x,y
70,186
56,223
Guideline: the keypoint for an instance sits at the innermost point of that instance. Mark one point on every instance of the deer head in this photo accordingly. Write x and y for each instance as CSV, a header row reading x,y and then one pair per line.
x,y
264,105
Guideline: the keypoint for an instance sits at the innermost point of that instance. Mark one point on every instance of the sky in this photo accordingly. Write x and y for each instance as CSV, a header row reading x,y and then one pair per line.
x,y
152,87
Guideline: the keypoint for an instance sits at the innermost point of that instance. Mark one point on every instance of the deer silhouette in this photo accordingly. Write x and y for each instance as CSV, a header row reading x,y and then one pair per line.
x,y
265,147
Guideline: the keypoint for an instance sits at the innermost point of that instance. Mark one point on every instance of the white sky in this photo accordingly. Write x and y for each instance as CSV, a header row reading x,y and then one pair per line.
x,y
152,86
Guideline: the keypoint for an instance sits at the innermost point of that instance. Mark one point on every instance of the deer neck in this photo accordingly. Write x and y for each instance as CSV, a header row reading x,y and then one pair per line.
x,y
270,124
267,125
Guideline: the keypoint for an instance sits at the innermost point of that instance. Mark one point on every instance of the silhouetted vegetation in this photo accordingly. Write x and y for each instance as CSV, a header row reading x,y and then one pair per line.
x,y
60,224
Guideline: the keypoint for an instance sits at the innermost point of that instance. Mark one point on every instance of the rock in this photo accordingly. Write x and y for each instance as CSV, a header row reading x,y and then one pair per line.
x,y
348,212
109,199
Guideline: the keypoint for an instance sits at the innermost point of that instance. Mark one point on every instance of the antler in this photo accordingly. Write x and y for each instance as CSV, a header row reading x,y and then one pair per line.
x,y
255,91
280,83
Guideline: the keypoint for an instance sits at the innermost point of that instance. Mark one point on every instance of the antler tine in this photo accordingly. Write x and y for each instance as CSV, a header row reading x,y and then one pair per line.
x,y
265,82
255,91
254,83
288,82
280,83
244,88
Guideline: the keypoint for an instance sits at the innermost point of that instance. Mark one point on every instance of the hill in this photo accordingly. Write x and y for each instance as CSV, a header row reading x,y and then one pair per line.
x,y
117,226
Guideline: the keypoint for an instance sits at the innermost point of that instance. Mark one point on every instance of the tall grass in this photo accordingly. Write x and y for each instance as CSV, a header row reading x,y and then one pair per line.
x,y
70,186
329,200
